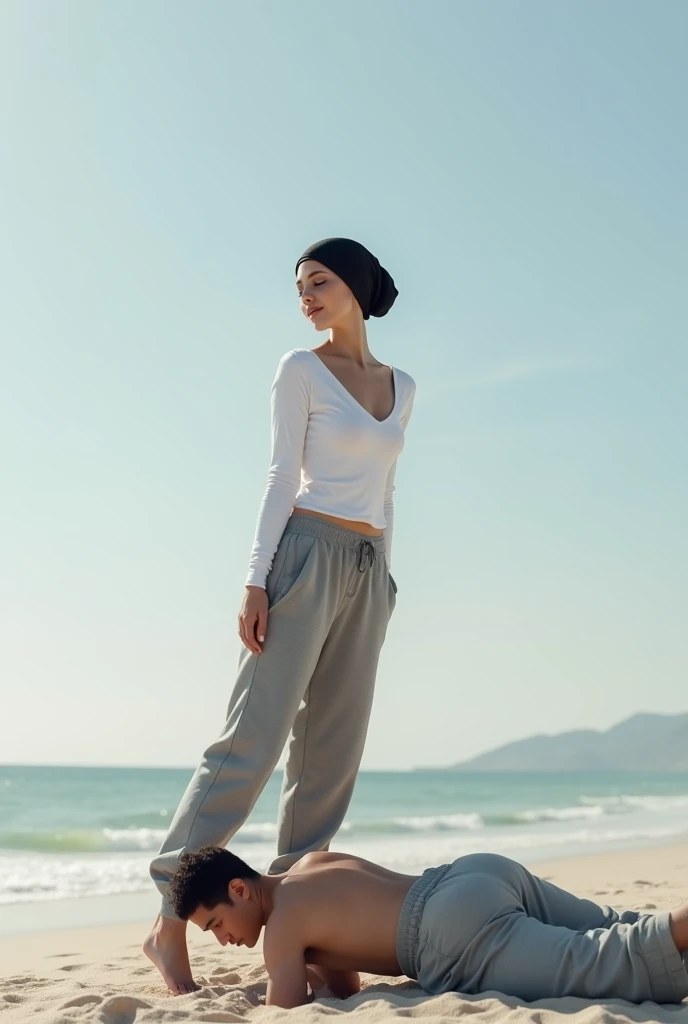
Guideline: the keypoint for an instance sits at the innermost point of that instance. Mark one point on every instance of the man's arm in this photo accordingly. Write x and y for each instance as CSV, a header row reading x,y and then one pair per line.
x,y
285,963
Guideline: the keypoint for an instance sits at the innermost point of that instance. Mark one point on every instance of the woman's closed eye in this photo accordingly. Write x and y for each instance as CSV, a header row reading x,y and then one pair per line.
x,y
316,284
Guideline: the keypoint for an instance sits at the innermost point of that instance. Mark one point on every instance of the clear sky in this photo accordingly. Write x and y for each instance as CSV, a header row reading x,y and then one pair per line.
x,y
521,169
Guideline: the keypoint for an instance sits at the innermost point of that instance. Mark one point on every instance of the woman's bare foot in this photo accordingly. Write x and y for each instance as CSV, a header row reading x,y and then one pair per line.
x,y
165,945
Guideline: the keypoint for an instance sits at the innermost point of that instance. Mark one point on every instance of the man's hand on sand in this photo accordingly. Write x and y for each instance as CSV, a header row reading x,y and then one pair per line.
x,y
317,983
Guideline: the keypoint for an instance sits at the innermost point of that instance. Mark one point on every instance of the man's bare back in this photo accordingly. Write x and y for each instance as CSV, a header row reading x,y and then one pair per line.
x,y
342,912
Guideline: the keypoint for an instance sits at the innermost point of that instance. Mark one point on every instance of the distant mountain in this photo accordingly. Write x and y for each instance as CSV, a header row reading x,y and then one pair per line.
x,y
656,743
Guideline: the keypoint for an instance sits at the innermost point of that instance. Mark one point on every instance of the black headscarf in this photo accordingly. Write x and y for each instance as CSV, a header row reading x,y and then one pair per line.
x,y
372,286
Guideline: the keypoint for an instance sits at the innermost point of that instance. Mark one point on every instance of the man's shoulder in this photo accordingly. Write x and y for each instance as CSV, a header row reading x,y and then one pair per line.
x,y
311,860
290,909
303,886
285,903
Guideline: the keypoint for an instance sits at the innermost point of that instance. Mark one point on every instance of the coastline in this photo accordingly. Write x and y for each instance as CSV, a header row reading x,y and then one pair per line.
x,y
90,912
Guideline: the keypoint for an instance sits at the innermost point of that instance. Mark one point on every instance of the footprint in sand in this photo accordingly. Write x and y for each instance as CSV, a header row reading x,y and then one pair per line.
x,y
121,1009
651,885
89,997
222,1017
71,967
224,976
29,981
11,998
60,956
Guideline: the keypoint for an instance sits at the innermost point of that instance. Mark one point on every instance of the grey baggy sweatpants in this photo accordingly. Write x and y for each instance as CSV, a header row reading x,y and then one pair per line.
x,y
484,923
331,597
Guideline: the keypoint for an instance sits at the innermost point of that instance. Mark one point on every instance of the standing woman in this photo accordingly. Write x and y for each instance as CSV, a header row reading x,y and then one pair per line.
x,y
319,594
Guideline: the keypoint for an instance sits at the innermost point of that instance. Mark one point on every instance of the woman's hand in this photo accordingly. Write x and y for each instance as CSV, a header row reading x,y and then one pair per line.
x,y
253,619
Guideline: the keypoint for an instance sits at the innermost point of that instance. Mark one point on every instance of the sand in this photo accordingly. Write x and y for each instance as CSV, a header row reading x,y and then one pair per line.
x,y
99,974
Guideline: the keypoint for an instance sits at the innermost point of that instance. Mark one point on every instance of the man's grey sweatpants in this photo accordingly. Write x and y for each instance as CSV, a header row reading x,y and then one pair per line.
x,y
331,597
484,923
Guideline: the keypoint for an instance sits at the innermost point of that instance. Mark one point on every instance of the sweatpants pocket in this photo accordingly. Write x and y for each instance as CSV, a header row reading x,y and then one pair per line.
x,y
292,571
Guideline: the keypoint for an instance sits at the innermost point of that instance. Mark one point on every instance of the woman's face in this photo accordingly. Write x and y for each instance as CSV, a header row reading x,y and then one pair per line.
x,y
325,299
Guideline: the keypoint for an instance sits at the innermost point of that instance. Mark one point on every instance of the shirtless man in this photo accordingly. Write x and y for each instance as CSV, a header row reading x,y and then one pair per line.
x,y
482,923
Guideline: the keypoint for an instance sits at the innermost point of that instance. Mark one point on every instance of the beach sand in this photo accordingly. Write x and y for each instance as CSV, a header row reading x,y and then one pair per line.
x,y
99,974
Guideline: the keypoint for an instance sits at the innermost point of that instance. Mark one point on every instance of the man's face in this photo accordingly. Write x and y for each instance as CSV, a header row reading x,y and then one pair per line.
x,y
237,922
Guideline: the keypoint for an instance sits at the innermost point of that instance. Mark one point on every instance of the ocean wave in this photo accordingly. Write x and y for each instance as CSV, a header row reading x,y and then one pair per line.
x,y
39,877
148,839
574,813
473,821
84,840
627,802
416,823
416,853
113,840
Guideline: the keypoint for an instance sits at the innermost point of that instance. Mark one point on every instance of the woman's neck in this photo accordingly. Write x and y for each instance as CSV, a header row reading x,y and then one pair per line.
x,y
349,340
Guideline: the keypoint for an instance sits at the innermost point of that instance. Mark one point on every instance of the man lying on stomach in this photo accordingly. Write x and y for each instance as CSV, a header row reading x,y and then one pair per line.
x,y
482,923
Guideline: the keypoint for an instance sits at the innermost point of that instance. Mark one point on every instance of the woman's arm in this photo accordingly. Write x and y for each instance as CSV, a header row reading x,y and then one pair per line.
x,y
389,512
290,401
389,486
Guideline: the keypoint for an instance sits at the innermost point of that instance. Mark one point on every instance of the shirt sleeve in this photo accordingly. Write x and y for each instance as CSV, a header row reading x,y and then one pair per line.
x,y
290,402
389,487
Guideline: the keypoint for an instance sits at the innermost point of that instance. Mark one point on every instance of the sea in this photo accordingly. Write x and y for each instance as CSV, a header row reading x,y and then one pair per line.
x,y
77,833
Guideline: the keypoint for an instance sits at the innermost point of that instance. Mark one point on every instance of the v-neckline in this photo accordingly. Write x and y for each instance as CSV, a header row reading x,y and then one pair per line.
x,y
346,391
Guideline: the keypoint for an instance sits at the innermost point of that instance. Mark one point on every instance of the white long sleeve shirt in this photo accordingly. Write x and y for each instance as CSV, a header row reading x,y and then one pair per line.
x,y
329,454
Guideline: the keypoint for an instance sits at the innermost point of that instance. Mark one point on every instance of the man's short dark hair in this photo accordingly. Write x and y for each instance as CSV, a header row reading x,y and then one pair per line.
x,y
202,879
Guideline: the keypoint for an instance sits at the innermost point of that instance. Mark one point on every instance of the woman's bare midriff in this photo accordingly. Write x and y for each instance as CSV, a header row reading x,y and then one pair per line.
x,y
347,524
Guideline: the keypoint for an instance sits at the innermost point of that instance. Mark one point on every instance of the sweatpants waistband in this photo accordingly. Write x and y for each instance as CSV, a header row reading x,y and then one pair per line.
x,y
667,967
411,916
332,534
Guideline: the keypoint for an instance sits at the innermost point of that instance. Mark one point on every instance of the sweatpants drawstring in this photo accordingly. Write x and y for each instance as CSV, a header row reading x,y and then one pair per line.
x,y
366,555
